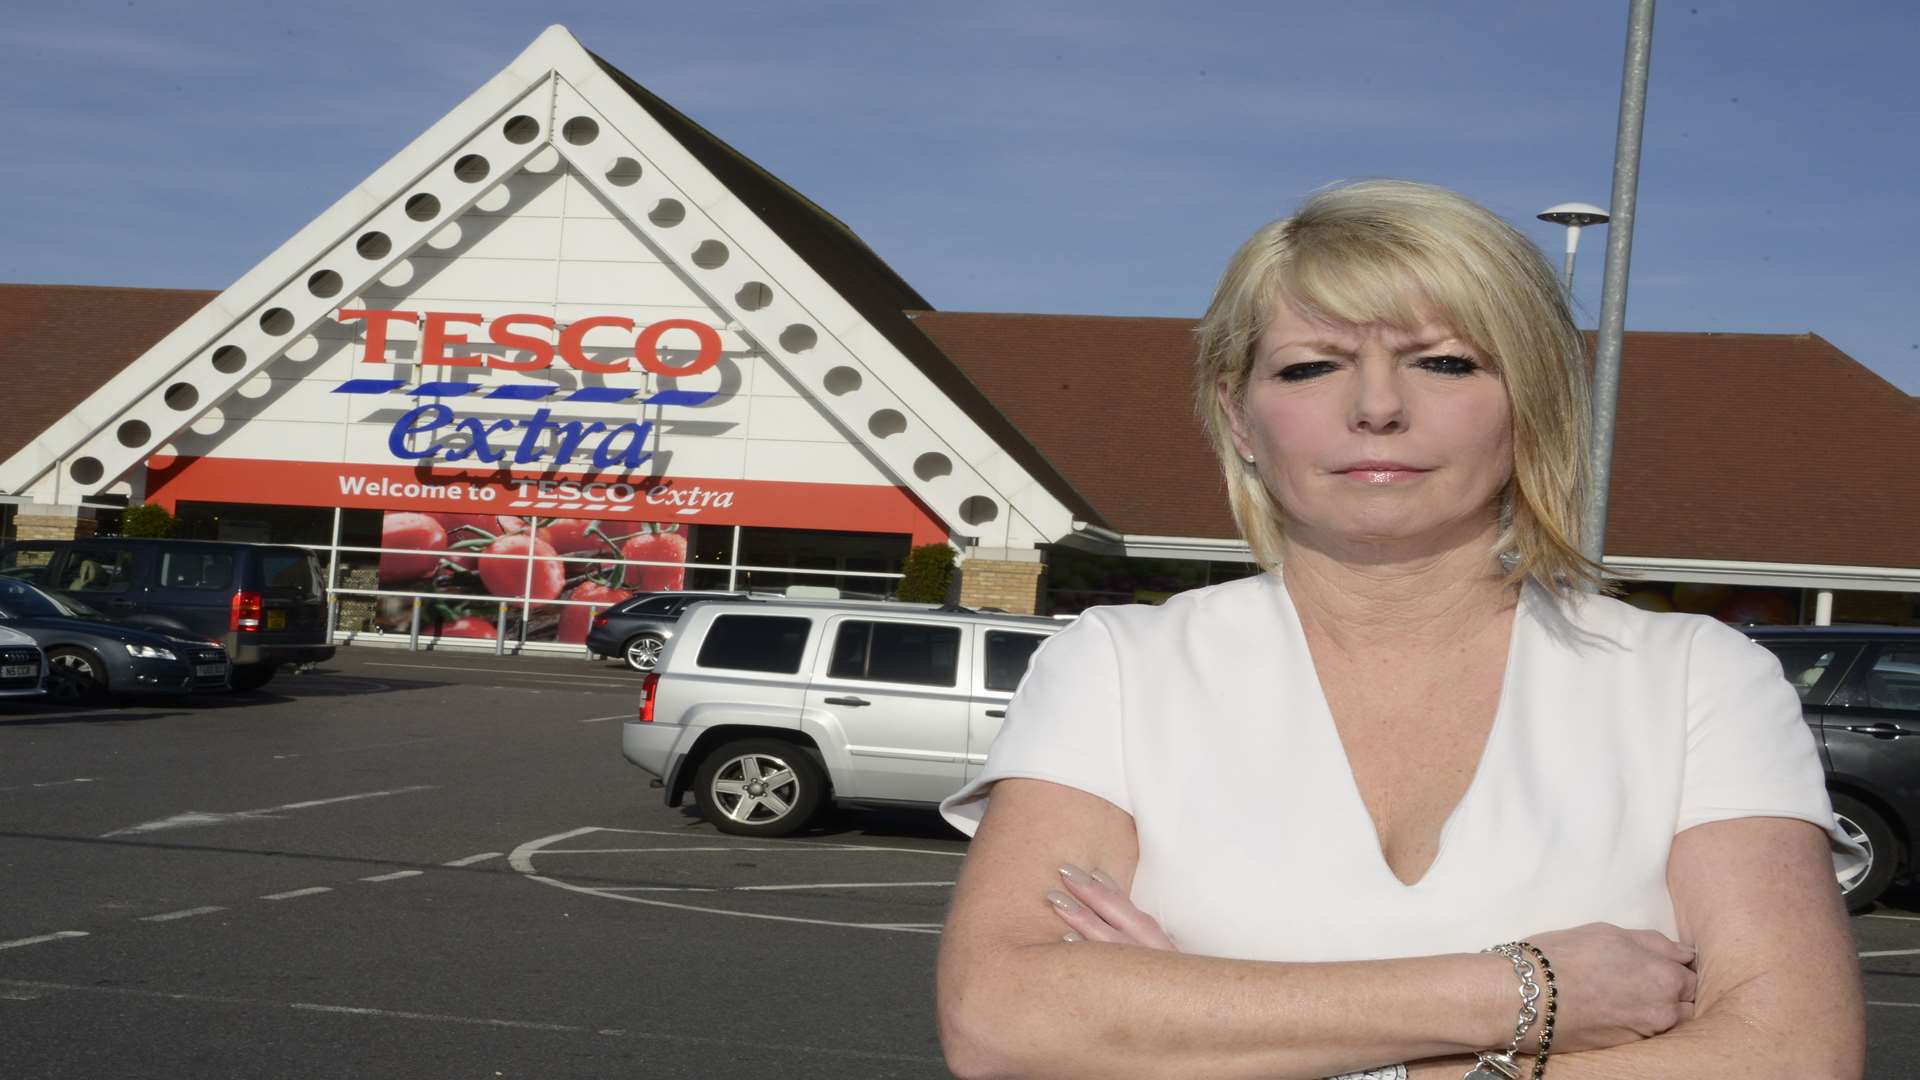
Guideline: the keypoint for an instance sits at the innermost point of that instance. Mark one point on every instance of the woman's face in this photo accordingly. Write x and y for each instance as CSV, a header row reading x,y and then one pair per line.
x,y
1371,434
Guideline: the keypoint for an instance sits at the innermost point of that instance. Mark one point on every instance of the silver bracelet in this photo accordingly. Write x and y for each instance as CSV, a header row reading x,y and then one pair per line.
x,y
1499,1064
1384,1072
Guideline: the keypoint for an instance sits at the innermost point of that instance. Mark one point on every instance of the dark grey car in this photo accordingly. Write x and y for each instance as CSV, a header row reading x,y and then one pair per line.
x,y
89,656
1860,691
638,628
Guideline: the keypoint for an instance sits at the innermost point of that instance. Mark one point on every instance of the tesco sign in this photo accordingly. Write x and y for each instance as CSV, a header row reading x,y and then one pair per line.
x,y
439,333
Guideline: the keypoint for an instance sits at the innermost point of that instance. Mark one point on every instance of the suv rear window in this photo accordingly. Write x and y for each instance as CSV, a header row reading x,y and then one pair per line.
x,y
896,652
1008,654
291,573
756,643
196,570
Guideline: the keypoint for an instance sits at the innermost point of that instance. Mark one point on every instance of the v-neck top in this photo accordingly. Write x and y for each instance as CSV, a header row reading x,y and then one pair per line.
x,y
1204,719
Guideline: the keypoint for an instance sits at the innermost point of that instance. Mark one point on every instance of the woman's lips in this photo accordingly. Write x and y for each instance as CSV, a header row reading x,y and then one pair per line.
x,y
1381,473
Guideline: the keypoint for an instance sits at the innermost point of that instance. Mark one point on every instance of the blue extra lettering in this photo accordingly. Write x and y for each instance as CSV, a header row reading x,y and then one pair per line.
x,y
418,421
477,444
633,456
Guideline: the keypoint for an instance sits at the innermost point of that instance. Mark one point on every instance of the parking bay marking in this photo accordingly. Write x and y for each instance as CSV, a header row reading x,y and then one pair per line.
x,y
57,935
292,893
395,876
199,818
471,859
53,783
1889,952
522,861
187,914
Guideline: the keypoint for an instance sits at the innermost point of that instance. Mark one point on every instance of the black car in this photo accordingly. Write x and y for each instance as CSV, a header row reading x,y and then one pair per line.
x,y
266,603
638,628
1860,690
90,656
23,667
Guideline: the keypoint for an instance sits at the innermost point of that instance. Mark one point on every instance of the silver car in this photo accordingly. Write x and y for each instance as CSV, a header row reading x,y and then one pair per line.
x,y
766,711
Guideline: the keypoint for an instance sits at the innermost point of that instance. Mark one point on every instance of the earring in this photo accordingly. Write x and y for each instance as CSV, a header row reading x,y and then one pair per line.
x,y
1249,459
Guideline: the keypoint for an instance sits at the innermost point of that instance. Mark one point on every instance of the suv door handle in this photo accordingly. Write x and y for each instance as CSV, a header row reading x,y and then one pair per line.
x,y
853,701
1882,730
996,712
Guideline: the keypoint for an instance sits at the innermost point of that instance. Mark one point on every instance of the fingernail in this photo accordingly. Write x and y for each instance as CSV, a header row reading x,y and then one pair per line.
x,y
1072,936
1074,874
1106,879
1064,902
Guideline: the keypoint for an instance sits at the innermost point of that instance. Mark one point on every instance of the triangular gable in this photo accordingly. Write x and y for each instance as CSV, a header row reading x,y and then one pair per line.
x,y
762,293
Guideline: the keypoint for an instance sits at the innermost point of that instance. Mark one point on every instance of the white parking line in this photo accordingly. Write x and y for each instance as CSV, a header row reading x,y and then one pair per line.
x,y
1890,952
1897,1004
471,859
395,876
828,845
543,676
315,890
55,936
656,850
50,783
604,719
187,914
196,818
846,885
1898,918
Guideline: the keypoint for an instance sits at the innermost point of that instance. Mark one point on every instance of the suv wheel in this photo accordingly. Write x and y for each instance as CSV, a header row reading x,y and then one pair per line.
x,y
251,676
75,677
1864,826
758,787
643,651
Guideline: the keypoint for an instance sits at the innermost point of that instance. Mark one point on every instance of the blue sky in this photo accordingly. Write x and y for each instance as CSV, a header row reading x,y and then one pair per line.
x,y
1100,157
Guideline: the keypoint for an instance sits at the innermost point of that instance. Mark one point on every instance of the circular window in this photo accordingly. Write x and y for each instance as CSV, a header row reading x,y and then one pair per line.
x,y
86,471
710,255
229,359
667,213
625,172
133,433
182,396
423,207
471,169
754,295
932,466
842,380
978,510
798,338
276,321
521,130
886,422
580,130
323,284
373,245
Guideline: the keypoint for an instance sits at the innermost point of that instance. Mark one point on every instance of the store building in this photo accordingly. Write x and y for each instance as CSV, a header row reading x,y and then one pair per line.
x,y
569,344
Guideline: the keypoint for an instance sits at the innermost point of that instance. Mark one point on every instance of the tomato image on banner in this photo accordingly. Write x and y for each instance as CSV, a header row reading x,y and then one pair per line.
x,y
467,563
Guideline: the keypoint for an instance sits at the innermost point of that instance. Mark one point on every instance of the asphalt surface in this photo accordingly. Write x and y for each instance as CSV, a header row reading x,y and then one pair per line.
x,y
429,865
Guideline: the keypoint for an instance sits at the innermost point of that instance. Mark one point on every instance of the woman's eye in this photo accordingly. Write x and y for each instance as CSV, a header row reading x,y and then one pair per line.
x,y
1300,372
1449,365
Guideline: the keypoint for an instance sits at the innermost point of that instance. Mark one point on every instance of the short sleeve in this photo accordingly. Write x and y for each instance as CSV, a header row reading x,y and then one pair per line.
x,y
1749,752
1063,725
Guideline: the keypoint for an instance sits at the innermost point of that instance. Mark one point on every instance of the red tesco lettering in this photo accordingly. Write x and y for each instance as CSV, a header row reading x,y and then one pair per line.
x,y
436,336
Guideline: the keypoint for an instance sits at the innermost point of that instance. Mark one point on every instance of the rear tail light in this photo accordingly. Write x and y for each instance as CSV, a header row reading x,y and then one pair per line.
x,y
247,611
599,620
649,688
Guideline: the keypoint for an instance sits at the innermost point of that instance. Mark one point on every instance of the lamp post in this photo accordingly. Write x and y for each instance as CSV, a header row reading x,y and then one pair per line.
x,y
1575,216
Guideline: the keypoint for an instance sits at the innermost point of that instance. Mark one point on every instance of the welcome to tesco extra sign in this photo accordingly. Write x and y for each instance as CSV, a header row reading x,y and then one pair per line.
x,y
444,340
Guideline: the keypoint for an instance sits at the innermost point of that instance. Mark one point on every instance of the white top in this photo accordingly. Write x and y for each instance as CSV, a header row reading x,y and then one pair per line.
x,y
1203,718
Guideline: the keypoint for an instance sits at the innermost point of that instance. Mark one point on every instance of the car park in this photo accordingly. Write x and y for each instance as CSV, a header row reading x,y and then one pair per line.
x,y
23,667
638,628
1859,689
90,657
764,711
266,604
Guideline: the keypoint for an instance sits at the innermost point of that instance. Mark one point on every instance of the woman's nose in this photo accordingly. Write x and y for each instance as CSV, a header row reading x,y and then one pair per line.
x,y
1378,406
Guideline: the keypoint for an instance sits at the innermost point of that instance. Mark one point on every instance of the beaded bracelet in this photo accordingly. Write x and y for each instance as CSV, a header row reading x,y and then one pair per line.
x,y
1546,1020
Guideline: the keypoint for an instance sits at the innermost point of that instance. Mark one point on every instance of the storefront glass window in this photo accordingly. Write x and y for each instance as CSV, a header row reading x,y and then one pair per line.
x,y
1077,579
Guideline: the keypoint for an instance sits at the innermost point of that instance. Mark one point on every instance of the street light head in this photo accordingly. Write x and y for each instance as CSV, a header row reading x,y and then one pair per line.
x,y
1574,214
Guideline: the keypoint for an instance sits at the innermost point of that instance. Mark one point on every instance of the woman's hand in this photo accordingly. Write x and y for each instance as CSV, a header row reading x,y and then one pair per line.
x,y
1615,986
1096,908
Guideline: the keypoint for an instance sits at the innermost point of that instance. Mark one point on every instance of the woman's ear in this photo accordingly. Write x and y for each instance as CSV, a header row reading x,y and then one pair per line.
x,y
1230,405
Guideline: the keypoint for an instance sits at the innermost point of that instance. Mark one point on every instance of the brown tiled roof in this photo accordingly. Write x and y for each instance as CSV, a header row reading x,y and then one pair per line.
x,y
1735,447
59,343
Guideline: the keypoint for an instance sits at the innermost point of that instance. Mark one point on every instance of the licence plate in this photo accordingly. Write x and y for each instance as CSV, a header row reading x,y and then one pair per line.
x,y
18,671
276,620
209,669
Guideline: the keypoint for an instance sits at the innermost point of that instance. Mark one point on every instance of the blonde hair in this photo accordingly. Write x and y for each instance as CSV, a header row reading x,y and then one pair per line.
x,y
1396,253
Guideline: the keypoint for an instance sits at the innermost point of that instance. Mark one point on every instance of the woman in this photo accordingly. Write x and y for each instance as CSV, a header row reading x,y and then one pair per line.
x,y
1313,797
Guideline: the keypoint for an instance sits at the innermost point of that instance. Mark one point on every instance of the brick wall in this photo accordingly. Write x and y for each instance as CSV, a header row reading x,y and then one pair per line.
x,y
30,526
1009,586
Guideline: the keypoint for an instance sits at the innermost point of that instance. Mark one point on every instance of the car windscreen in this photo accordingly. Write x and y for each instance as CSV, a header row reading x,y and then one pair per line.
x,y
27,602
291,573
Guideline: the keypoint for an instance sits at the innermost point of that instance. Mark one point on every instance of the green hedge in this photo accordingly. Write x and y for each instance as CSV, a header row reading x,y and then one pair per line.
x,y
146,520
928,573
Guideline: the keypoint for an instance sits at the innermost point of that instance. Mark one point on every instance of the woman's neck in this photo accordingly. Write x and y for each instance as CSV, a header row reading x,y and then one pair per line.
x,y
1369,603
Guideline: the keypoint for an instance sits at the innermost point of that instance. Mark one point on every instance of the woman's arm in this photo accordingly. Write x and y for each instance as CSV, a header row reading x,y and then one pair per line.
x,y
1779,990
1015,1000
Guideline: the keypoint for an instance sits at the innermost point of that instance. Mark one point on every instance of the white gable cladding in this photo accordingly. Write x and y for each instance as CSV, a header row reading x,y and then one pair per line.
x,y
554,193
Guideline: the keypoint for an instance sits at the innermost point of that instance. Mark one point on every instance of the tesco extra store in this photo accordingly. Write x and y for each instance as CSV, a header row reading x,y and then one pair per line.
x,y
568,345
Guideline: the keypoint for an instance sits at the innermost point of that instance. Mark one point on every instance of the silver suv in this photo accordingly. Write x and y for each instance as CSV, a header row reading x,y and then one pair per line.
x,y
766,710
